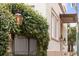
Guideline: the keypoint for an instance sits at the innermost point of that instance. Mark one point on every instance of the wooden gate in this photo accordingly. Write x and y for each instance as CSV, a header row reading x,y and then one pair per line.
x,y
24,46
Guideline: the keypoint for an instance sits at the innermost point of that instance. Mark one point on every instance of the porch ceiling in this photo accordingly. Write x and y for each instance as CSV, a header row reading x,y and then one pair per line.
x,y
68,18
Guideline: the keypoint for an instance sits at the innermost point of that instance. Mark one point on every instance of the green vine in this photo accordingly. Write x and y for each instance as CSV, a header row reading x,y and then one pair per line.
x,y
33,26
6,24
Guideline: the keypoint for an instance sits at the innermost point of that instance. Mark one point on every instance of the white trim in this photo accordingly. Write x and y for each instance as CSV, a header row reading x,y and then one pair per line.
x,y
55,29
17,14
55,14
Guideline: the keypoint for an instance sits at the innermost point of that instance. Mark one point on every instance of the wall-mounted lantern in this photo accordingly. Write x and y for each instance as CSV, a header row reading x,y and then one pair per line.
x,y
19,17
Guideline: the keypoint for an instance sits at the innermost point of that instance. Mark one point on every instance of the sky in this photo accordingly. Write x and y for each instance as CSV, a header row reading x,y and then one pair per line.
x,y
71,10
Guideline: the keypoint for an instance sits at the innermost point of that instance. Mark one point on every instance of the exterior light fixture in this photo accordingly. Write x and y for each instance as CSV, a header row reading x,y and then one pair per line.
x,y
19,17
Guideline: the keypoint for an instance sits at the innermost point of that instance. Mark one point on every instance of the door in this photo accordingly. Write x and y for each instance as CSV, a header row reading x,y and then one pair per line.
x,y
22,46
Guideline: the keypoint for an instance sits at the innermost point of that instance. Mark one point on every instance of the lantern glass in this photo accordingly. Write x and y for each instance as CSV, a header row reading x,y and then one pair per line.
x,y
18,18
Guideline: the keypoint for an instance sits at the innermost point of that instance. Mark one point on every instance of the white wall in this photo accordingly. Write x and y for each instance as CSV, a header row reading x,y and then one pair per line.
x,y
53,46
40,7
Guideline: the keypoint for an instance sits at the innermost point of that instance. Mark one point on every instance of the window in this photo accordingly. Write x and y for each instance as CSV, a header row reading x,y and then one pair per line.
x,y
54,26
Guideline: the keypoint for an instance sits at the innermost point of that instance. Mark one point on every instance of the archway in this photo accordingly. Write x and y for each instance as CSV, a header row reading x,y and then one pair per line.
x,y
31,26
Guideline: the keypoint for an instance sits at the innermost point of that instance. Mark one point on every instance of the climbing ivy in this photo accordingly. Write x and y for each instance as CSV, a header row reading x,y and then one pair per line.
x,y
33,26
6,25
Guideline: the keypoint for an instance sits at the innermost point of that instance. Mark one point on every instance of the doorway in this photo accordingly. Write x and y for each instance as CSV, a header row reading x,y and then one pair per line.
x,y
23,46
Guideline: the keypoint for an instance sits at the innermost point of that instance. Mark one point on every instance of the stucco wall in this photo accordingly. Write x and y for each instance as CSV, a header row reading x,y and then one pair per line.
x,y
53,46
